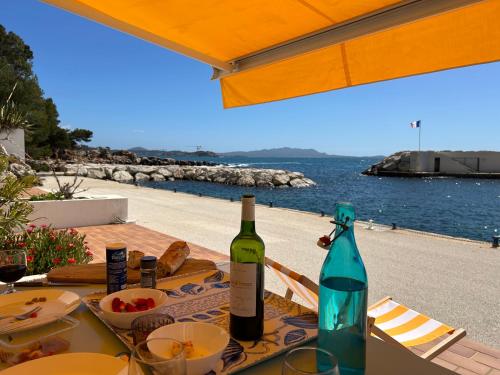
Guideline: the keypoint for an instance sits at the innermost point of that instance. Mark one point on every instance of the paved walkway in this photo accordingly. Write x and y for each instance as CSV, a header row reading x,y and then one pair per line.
x,y
454,281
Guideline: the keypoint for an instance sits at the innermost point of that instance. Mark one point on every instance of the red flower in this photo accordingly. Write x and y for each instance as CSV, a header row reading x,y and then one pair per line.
x,y
71,260
59,247
29,230
43,226
73,231
71,245
32,225
89,253
21,244
56,260
29,259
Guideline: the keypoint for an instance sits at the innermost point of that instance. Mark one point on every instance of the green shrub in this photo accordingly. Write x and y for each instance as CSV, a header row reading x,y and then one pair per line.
x,y
47,197
47,248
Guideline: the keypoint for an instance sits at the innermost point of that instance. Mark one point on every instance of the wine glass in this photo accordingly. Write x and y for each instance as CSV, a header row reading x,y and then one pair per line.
x,y
12,267
309,361
160,356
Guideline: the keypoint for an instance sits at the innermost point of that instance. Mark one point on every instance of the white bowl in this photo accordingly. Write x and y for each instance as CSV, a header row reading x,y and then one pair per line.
x,y
207,338
124,319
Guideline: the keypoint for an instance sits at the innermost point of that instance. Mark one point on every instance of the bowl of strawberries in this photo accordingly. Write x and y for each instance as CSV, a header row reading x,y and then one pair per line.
x,y
121,308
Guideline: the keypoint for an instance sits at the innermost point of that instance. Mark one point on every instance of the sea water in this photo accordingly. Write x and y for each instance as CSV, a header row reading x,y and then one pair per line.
x,y
343,322
452,206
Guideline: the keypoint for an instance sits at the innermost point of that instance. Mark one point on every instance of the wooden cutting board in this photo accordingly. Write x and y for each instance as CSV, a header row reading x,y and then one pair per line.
x,y
95,273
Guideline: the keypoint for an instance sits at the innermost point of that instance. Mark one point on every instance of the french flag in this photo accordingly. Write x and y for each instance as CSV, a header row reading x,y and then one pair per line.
x,y
415,124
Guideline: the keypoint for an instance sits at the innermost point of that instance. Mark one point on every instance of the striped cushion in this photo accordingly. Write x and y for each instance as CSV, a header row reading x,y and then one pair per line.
x,y
405,325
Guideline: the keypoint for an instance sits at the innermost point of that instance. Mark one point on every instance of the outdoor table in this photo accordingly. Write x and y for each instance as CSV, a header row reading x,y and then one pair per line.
x,y
382,358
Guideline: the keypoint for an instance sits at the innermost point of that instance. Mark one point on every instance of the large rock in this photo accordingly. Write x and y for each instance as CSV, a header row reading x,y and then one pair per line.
x,y
189,173
73,169
178,174
139,176
264,179
246,180
308,181
294,175
157,177
123,176
108,171
298,183
145,169
20,170
165,172
97,173
280,179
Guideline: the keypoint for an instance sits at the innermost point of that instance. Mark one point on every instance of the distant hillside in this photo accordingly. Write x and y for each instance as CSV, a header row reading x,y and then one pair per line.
x,y
141,151
283,152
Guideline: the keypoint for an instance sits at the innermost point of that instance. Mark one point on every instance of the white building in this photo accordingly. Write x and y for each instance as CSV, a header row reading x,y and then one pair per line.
x,y
455,162
13,142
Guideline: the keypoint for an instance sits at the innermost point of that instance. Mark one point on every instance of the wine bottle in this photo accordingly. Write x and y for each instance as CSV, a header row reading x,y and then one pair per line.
x,y
343,295
247,278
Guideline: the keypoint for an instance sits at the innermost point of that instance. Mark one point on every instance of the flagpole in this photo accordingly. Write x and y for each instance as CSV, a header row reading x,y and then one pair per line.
x,y
419,134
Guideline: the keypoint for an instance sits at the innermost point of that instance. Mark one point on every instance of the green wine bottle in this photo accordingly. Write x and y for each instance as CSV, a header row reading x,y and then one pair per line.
x,y
247,278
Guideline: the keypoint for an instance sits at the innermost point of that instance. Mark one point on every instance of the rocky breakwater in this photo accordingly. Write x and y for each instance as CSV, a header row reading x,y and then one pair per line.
x,y
218,174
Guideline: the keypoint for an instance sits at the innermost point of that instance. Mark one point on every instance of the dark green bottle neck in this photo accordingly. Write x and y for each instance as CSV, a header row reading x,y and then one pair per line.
x,y
247,227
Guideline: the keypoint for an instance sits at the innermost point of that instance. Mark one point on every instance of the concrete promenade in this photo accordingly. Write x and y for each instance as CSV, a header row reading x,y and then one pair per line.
x,y
452,280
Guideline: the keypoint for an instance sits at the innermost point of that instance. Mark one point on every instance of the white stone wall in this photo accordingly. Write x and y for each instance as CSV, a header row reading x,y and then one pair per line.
x,y
13,142
456,161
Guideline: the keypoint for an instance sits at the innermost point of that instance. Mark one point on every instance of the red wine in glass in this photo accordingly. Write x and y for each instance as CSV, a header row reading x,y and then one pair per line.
x,y
12,267
12,272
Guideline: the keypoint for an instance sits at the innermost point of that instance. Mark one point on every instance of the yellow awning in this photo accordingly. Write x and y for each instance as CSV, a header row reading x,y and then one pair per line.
x,y
271,50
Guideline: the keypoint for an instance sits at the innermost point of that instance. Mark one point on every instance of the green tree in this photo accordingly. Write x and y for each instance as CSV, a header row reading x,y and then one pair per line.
x,y
80,135
46,137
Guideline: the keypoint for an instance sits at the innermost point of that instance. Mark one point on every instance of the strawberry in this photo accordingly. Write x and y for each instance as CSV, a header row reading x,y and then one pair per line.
x,y
33,315
115,304
141,301
130,308
122,306
150,303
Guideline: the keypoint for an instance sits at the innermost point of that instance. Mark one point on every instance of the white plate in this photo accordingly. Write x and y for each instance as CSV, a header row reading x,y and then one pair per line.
x,y
59,303
71,364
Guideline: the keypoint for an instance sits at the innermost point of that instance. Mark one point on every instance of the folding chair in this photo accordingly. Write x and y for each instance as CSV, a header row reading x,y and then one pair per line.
x,y
388,320
303,287
404,327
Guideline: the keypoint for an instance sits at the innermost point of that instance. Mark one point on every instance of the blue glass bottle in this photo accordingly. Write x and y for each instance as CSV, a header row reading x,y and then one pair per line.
x,y
343,292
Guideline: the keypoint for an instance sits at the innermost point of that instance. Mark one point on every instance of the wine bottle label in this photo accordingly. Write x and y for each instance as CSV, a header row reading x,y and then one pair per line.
x,y
248,209
243,300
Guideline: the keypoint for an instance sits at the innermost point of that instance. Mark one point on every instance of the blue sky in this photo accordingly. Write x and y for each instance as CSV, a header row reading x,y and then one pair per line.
x,y
132,93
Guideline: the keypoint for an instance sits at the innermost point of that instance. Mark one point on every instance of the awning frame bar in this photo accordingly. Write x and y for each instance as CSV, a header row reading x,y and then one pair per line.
x,y
377,21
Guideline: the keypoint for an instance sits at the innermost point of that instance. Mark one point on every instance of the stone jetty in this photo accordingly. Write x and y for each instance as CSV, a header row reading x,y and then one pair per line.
x,y
218,174
463,164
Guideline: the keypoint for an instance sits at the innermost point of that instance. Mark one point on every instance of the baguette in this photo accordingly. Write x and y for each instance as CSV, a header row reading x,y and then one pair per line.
x,y
134,259
172,258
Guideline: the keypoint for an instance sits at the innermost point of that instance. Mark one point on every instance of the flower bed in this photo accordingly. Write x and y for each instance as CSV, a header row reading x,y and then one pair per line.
x,y
47,248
